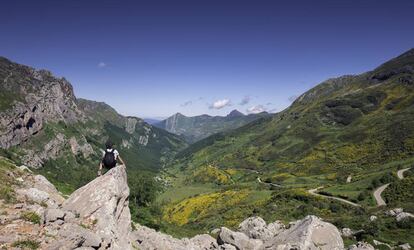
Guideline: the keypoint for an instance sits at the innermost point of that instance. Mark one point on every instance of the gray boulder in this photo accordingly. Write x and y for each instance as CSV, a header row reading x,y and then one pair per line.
x,y
227,247
347,232
203,242
149,239
309,233
53,214
72,236
238,239
404,216
256,228
405,246
105,201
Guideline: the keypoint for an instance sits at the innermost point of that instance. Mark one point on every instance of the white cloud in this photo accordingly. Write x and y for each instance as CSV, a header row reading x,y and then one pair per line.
x,y
102,65
255,109
219,104
245,100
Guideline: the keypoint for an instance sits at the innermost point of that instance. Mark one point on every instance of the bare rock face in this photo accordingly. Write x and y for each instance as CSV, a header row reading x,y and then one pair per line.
x,y
399,214
238,239
40,97
256,228
130,124
80,146
105,202
149,239
308,233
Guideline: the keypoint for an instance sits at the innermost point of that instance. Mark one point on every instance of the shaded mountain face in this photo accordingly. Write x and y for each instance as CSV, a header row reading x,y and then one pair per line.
x,y
195,128
43,125
343,123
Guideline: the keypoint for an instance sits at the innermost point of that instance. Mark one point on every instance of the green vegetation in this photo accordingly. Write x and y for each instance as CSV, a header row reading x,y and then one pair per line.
x,y
7,171
401,193
28,243
353,126
32,217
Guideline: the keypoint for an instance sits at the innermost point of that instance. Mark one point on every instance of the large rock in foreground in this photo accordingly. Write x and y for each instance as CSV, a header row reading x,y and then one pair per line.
x,y
309,233
104,201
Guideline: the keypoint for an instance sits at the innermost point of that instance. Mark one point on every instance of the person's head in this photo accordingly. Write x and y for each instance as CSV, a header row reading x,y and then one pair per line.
x,y
109,144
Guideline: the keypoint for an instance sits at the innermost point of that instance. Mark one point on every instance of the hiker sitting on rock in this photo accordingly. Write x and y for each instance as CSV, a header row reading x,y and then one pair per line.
x,y
110,158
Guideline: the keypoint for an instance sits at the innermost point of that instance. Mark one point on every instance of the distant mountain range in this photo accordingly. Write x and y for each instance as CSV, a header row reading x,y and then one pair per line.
x,y
355,120
195,128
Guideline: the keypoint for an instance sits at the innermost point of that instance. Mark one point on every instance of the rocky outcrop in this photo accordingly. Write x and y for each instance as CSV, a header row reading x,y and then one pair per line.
x,y
80,146
399,214
97,216
309,233
256,228
39,97
147,238
105,202
130,124
40,114
253,234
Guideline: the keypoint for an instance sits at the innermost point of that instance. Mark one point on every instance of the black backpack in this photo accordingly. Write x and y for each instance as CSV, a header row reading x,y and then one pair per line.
x,y
109,159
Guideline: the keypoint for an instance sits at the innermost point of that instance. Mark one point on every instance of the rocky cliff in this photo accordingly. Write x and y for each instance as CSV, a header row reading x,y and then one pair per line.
x,y
97,216
42,121
31,98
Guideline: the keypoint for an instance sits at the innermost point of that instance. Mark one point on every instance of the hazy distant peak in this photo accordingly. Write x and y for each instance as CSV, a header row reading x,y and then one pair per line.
x,y
235,113
178,114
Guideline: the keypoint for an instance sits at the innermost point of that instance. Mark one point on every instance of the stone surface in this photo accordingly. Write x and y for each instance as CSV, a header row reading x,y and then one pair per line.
x,y
308,233
53,214
404,216
72,236
105,200
405,246
256,228
238,239
347,232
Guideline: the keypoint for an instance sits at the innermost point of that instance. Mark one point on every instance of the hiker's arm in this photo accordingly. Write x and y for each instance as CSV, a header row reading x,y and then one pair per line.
x,y
122,161
100,168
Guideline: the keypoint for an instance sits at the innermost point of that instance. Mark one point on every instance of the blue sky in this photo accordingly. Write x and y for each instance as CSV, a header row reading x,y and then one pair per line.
x,y
155,58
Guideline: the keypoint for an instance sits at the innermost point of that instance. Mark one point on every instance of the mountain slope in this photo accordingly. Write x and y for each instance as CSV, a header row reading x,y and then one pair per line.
x,y
344,138
198,127
43,125
351,121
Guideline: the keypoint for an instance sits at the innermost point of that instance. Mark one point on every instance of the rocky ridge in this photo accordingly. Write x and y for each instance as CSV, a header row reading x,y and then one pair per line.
x,y
38,97
41,120
97,216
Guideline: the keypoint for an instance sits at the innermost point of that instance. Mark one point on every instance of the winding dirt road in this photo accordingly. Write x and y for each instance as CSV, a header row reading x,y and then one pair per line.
x,y
400,173
377,193
315,192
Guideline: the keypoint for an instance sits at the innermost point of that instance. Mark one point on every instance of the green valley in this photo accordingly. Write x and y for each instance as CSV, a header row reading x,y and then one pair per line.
x,y
347,136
